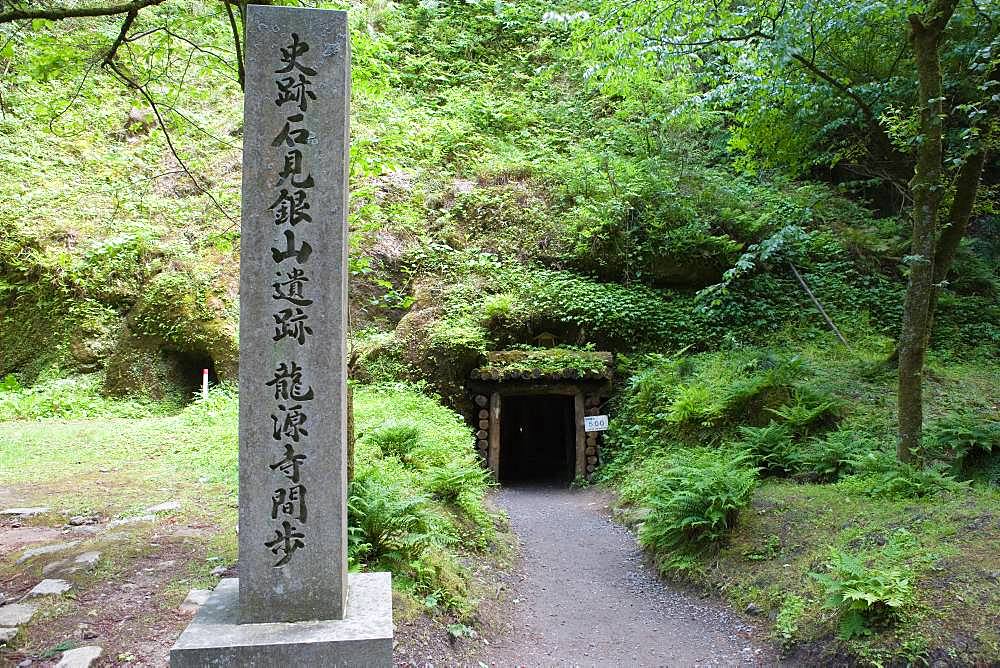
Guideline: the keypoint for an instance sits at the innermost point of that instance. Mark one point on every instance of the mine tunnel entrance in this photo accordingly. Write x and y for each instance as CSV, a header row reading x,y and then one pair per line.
x,y
537,439
189,366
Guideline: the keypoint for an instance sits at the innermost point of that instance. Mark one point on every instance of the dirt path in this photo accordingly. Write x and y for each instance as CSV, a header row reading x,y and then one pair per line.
x,y
586,597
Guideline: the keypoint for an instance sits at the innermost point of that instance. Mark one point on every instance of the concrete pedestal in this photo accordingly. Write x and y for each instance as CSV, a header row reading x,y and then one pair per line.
x,y
362,638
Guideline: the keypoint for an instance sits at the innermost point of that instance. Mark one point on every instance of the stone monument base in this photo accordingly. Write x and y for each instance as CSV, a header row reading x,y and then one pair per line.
x,y
362,638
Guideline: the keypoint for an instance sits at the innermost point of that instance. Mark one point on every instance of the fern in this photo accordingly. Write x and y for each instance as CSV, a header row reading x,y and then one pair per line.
x,y
695,503
864,595
828,459
386,523
770,447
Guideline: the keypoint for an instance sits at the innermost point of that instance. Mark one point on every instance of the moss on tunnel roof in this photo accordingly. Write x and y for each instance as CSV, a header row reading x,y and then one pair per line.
x,y
545,363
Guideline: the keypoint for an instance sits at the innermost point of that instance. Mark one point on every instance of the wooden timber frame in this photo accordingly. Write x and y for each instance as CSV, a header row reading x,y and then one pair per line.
x,y
589,395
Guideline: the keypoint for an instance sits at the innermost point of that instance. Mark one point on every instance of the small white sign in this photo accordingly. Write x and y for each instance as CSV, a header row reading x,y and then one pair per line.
x,y
595,423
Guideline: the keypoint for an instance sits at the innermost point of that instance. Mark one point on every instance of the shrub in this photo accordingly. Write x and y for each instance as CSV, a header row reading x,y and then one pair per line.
x,y
769,448
864,594
447,483
881,476
970,440
807,409
386,524
395,438
696,501
828,459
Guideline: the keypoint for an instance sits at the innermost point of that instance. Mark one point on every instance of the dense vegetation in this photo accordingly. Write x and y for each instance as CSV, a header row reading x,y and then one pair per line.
x,y
650,183
772,477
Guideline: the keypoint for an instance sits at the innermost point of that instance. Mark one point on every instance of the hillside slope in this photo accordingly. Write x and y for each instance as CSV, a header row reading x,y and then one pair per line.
x,y
504,185
496,193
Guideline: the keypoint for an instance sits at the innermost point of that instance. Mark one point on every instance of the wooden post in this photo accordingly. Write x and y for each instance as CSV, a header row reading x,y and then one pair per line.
x,y
494,452
581,437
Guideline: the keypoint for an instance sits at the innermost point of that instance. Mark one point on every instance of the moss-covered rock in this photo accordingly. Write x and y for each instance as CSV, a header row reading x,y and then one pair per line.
x,y
184,314
428,345
140,368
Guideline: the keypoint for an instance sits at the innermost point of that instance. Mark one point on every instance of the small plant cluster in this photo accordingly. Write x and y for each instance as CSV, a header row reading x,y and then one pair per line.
x,y
694,502
867,594
971,441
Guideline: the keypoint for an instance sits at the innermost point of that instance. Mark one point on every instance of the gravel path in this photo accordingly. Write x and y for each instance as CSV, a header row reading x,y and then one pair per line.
x,y
586,597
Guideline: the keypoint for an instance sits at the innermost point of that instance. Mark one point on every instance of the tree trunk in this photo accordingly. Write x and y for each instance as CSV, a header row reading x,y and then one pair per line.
x,y
925,39
966,189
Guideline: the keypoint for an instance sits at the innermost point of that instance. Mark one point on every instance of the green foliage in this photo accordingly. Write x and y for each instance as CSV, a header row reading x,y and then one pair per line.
x,y
880,475
827,459
70,398
611,315
807,409
789,617
769,448
547,361
969,440
695,502
177,308
432,450
697,400
452,483
864,594
9,384
388,525
395,438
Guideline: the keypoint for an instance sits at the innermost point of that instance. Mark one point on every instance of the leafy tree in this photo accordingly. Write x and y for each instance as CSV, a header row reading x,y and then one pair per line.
x,y
895,97
133,53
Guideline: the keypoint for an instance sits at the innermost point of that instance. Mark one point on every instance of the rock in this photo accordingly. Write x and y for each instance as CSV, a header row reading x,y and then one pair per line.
x,y
81,520
195,599
7,634
164,507
25,512
50,587
16,614
139,122
25,663
85,632
131,520
55,567
81,657
46,549
88,559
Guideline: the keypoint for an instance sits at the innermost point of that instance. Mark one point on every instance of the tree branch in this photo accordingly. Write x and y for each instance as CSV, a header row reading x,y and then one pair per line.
x,y
843,88
236,42
122,34
57,14
131,83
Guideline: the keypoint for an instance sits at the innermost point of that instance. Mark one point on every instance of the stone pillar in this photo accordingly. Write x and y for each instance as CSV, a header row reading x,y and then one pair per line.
x,y
294,602
293,317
